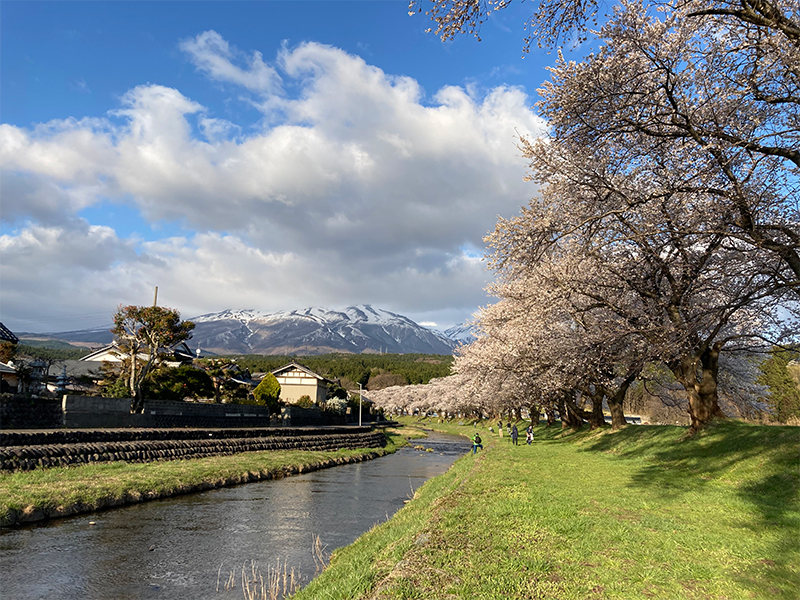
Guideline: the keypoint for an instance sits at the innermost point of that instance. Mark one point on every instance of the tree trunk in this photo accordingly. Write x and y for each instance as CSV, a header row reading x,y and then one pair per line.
x,y
698,375
137,403
617,414
562,413
551,416
533,412
596,418
217,383
135,396
617,400
570,414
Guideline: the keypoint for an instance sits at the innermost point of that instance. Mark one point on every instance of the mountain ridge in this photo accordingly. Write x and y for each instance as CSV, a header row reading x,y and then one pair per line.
x,y
315,330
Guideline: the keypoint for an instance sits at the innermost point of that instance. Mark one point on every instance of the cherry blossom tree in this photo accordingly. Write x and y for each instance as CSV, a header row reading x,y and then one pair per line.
x,y
717,80
554,347
711,85
668,226
639,267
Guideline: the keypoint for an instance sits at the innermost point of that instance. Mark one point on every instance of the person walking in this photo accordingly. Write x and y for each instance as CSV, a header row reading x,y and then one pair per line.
x,y
500,428
514,434
529,434
476,443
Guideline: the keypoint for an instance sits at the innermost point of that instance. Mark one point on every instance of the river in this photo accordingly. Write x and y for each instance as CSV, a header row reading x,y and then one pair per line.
x,y
187,547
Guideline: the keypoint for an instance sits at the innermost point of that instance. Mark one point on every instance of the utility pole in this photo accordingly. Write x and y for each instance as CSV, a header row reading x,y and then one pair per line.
x,y
155,298
360,393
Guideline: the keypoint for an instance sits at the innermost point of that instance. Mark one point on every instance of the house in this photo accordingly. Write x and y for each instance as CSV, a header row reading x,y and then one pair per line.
x,y
27,377
78,376
297,380
8,378
174,356
7,336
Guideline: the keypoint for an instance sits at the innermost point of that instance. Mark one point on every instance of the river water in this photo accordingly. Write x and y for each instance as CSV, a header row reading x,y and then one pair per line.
x,y
187,547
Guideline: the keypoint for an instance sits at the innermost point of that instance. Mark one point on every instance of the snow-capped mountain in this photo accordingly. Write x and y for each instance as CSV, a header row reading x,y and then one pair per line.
x,y
353,329
462,334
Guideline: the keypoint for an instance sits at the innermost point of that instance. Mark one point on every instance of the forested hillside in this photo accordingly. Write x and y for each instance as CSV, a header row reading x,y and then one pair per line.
x,y
50,351
373,371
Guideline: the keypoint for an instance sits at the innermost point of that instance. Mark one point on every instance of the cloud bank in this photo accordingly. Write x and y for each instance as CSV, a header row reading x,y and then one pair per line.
x,y
354,187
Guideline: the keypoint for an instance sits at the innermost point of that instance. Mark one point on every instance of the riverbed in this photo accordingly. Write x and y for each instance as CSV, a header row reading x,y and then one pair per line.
x,y
188,547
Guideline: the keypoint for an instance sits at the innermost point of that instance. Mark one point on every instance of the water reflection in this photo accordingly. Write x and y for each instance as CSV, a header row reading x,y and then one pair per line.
x,y
180,547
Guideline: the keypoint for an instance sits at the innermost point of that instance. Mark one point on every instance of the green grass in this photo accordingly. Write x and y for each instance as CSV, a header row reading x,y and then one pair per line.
x,y
92,486
637,514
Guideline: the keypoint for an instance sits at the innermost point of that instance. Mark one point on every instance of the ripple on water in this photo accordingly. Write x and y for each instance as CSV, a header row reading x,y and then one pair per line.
x,y
180,547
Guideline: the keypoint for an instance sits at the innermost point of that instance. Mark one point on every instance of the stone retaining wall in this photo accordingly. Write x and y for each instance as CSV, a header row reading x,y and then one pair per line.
x,y
24,451
22,411
74,412
92,411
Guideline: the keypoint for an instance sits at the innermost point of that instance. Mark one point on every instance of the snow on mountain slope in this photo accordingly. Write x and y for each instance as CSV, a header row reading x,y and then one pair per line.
x,y
236,315
317,330
462,333
356,329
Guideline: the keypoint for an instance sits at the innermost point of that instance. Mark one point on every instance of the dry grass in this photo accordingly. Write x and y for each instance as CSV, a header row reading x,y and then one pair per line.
x,y
276,582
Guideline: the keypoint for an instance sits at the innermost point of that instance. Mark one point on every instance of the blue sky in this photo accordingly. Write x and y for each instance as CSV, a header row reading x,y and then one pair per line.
x,y
265,155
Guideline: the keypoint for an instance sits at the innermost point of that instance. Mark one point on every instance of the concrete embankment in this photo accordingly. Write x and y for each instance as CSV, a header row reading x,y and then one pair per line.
x,y
25,451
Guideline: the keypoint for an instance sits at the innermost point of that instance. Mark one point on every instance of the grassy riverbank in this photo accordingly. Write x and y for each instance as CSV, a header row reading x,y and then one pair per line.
x,y
638,514
55,492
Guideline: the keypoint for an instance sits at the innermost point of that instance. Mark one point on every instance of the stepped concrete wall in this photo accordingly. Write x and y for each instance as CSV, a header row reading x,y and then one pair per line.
x,y
24,451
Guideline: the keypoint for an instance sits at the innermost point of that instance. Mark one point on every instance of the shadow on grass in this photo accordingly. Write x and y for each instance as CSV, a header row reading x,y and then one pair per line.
x,y
761,463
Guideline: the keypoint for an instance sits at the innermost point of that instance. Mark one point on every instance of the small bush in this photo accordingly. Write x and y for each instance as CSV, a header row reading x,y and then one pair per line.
x,y
336,405
305,401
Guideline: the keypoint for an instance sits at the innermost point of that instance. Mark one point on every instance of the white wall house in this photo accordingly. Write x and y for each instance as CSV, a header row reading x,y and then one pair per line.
x,y
297,380
174,356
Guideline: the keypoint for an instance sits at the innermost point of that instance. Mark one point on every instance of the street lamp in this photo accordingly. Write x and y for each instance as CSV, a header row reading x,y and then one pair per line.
x,y
359,404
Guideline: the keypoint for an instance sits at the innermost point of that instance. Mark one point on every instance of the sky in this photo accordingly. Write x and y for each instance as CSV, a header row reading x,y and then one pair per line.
x,y
254,155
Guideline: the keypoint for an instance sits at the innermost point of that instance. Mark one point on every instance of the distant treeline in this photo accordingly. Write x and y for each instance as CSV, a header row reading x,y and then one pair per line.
x,y
373,371
43,350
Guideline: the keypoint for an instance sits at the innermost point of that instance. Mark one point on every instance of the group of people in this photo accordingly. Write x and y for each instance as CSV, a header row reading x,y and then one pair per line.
x,y
477,443
514,432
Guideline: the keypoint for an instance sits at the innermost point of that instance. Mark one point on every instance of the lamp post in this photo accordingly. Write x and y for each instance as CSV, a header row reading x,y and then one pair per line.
x,y
359,404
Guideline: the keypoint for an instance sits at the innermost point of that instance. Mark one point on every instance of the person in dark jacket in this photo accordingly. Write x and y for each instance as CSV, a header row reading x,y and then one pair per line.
x,y
514,434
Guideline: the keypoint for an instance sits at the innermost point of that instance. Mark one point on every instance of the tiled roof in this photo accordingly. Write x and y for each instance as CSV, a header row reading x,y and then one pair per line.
x,y
299,367
6,335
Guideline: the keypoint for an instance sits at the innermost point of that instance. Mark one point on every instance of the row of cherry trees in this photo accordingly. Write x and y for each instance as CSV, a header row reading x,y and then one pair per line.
x,y
666,230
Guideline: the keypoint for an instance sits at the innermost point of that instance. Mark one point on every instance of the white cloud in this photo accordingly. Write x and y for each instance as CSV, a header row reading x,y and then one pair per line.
x,y
364,191
219,130
212,55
